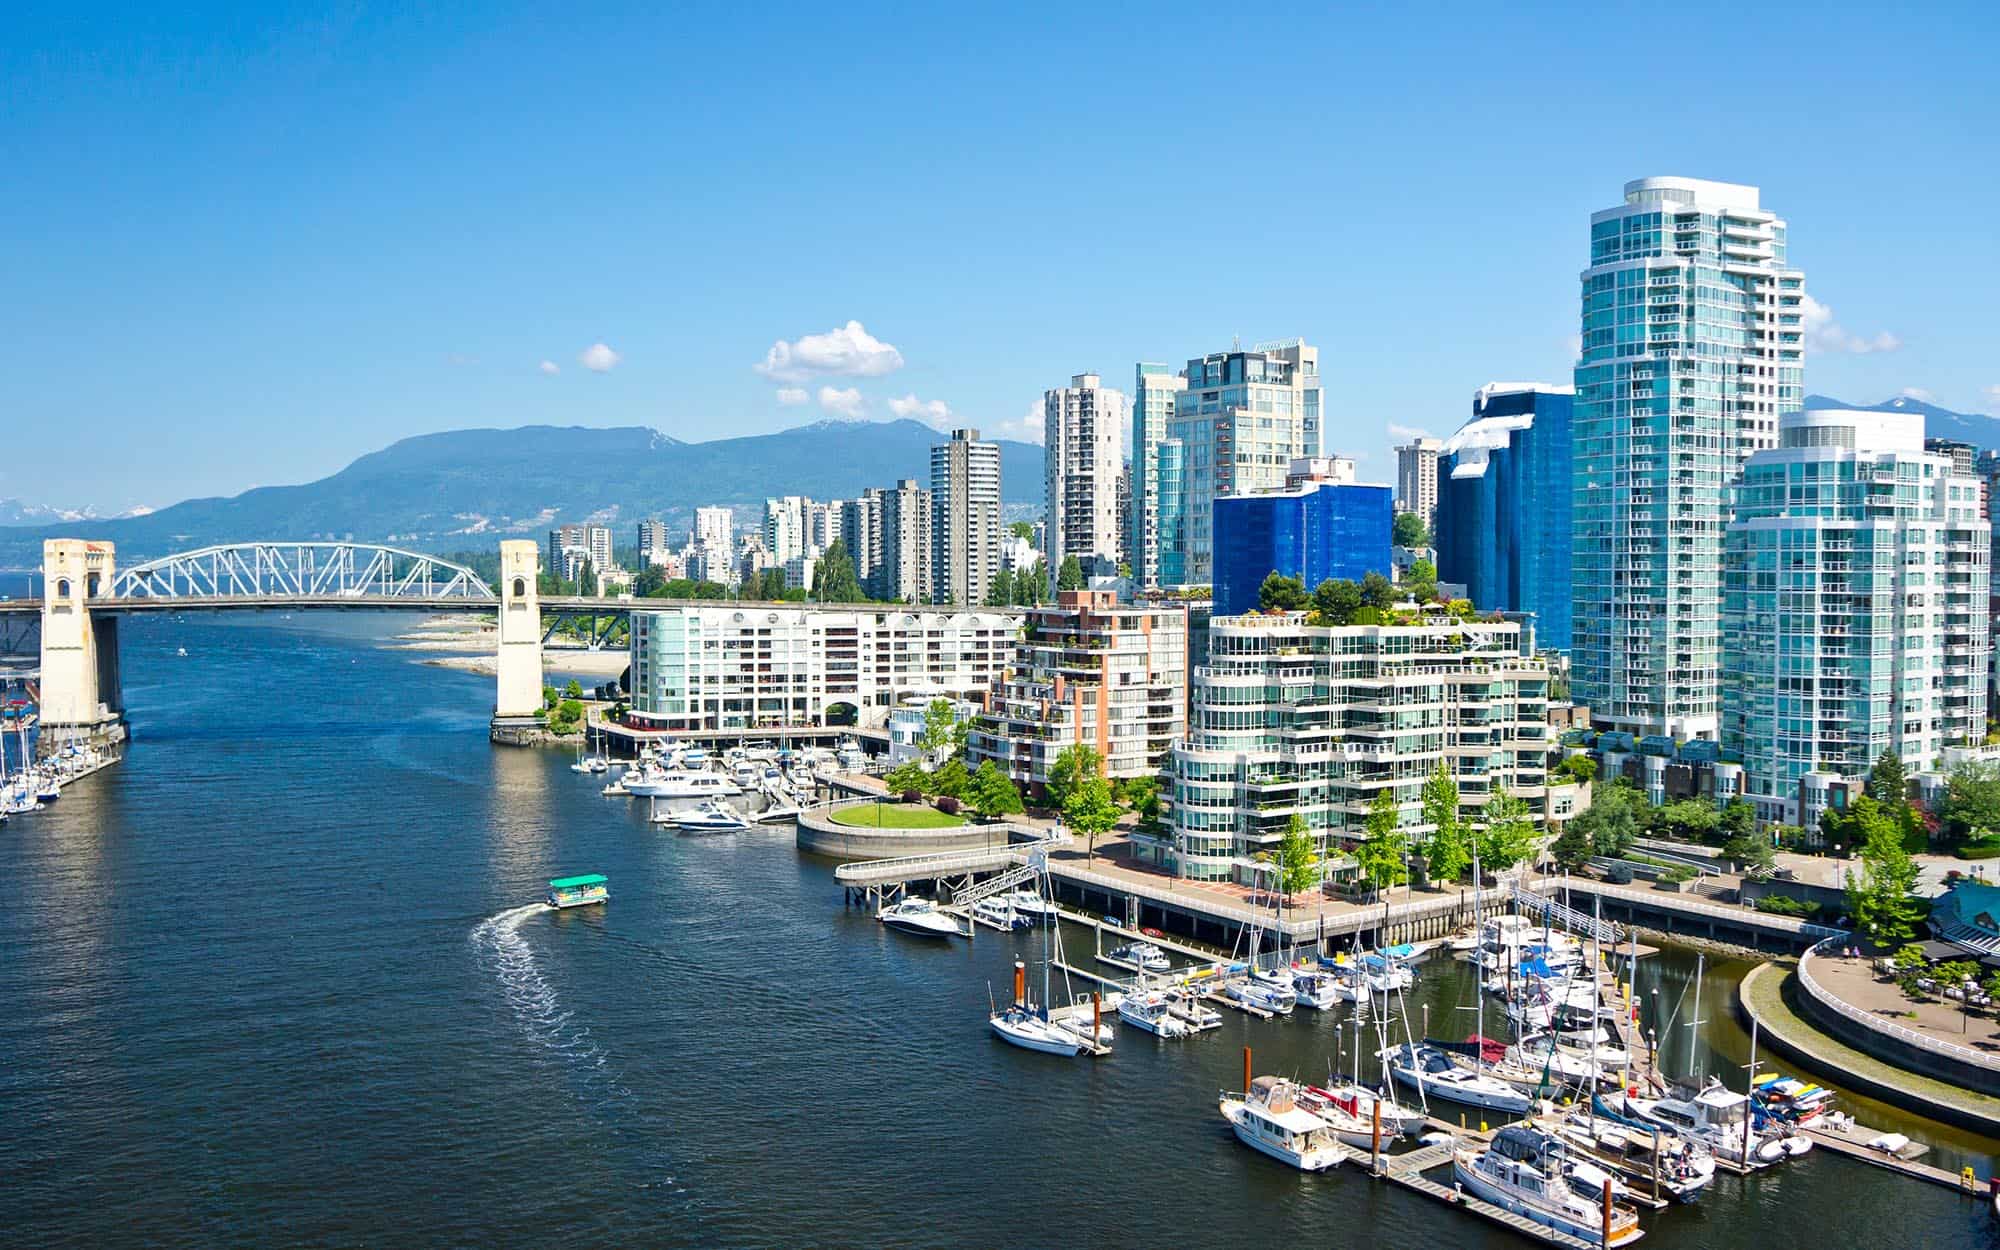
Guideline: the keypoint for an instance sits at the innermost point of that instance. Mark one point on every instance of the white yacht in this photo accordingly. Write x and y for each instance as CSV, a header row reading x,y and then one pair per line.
x,y
995,910
1030,904
1356,1103
1261,996
1431,1071
1682,1170
1139,956
1268,1118
1188,1008
683,784
712,815
1321,991
921,917
1154,1012
1522,1172
1713,1116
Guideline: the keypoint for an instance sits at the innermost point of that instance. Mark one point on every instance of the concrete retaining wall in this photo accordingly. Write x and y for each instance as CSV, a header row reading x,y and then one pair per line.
x,y
822,836
1891,1043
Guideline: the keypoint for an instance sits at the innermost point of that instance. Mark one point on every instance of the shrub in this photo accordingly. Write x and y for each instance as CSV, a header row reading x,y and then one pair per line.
x,y
1785,905
913,796
1677,874
1619,874
947,804
1987,847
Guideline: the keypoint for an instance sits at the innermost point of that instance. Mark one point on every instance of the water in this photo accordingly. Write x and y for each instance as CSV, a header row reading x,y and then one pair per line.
x,y
280,979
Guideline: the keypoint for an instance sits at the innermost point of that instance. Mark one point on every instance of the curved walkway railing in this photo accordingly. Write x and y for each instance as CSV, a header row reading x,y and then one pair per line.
x,y
1749,916
945,863
1874,1023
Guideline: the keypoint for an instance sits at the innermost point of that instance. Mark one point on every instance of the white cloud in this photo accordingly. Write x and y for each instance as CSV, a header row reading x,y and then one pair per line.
x,y
1027,428
792,396
1917,393
598,358
849,351
1824,334
1409,431
933,412
549,367
845,403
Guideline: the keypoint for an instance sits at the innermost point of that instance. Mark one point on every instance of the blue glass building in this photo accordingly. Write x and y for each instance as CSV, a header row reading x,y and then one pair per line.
x,y
1313,530
1503,505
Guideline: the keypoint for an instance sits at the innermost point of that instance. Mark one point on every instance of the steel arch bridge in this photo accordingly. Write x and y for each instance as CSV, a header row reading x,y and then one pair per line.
x,y
310,572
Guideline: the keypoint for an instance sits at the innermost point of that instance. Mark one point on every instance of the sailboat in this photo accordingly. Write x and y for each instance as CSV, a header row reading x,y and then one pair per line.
x,y
1023,1024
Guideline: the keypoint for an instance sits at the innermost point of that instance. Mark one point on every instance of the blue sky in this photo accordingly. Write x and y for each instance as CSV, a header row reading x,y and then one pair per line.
x,y
242,246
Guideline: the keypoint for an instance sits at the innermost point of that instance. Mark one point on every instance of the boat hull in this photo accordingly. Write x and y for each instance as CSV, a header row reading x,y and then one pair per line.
x,y
1479,1186
1310,1161
1037,1041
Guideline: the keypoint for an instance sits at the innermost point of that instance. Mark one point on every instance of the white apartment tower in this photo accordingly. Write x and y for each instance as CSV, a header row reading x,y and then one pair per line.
x,y
1083,453
1692,351
1417,477
965,518
1244,417
1854,605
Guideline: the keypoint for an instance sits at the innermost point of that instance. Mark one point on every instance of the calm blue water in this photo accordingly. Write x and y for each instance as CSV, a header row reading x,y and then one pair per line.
x,y
279,979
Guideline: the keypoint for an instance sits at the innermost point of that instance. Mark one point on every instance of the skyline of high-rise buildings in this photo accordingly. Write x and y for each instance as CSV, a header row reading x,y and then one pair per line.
x,y
1692,348
1083,427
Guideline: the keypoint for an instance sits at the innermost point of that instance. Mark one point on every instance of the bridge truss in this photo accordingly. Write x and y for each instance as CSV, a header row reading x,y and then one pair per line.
x,y
304,572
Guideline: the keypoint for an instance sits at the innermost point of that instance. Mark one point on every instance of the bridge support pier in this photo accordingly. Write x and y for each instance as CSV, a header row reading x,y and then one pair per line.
x,y
82,697
517,702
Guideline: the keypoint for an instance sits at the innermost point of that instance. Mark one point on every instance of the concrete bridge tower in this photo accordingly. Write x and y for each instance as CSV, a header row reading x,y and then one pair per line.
x,y
81,694
519,696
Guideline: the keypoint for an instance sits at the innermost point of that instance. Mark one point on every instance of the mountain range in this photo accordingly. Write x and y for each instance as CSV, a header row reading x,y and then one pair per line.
x,y
1964,427
469,488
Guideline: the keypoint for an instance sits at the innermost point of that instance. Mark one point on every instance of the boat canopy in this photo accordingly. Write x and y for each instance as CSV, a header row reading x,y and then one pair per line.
x,y
577,883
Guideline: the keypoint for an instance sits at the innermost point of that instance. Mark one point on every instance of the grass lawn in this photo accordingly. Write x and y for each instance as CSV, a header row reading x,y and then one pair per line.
x,y
895,816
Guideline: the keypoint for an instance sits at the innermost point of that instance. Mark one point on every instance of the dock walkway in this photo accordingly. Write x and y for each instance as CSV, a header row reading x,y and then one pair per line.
x,y
1407,1170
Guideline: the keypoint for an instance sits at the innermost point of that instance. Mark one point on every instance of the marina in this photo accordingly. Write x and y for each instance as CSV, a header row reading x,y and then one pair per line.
x,y
568,1029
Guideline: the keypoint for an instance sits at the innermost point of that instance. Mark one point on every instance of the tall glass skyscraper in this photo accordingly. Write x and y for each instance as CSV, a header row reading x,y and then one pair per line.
x,y
1854,610
1692,349
1503,521
1323,525
1153,390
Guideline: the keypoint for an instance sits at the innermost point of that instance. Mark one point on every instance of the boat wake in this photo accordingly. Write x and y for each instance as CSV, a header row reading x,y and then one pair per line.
x,y
533,999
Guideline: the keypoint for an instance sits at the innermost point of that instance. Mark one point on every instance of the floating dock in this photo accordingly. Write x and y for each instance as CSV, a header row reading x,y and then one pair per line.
x,y
1407,1170
1852,1141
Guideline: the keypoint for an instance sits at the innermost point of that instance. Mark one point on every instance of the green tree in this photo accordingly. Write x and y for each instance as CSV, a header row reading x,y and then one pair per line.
x,y
648,582
1878,897
1572,848
1072,764
1448,849
1383,856
1151,809
771,585
1578,768
1377,591
1298,859
1508,836
1888,783
1612,820
1279,593
1001,593
1409,530
833,577
1422,583
1088,808
1335,601
1750,849
992,793
1910,963
1738,818
1687,820
951,778
907,777
550,697
1970,807
1023,530
567,717
943,734
1132,792
1070,575
573,690
1031,584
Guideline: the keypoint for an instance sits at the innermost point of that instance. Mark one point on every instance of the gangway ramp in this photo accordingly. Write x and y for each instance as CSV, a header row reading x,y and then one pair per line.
x,y
940,865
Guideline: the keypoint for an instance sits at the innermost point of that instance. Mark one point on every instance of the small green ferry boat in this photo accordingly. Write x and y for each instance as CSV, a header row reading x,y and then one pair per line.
x,y
578,891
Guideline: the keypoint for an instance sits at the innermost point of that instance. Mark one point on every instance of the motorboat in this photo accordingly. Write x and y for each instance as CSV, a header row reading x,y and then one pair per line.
x,y
1029,1029
1542,1052
1718,1118
1140,956
1523,1172
1154,1012
996,911
919,916
565,892
1268,1118
1682,1168
1260,996
1790,1100
591,764
711,815
1030,904
1188,1007
1321,991
1434,1074
683,784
